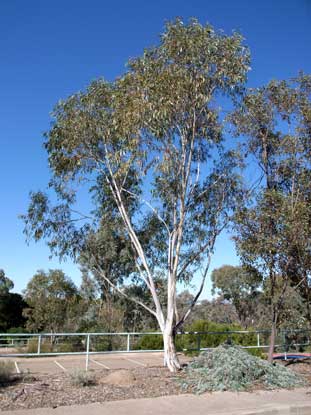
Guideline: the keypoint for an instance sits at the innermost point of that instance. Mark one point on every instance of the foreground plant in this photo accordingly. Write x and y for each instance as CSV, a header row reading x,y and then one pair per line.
x,y
6,372
80,377
232,368
149,149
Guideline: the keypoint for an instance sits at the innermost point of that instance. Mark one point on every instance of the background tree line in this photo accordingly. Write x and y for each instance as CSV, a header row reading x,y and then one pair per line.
x,y
52,303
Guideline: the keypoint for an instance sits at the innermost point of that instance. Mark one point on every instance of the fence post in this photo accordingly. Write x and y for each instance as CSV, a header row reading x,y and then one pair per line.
x,y
258,340
128,343
39,344
87,351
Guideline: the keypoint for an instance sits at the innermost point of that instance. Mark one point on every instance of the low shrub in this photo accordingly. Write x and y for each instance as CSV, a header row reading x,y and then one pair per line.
x,y
232,368
69,344
108,343
64,348
6,372
32,346
149,342
190,343
82,378
16,330
193,341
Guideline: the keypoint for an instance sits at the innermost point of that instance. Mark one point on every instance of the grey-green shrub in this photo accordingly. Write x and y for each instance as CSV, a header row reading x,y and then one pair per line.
x,y
6,371
80,377
232,368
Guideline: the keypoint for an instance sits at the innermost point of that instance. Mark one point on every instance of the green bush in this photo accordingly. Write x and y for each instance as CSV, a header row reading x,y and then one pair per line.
x,y
192,342
232,368
6,372
70,344
64,348
16,330
107,343
80,377
149,342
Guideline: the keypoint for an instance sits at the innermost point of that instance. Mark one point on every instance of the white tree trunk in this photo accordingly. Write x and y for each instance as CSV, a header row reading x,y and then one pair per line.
x,y
170,356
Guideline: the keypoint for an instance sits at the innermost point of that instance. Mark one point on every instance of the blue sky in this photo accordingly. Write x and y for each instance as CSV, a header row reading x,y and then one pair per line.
x,y
50,50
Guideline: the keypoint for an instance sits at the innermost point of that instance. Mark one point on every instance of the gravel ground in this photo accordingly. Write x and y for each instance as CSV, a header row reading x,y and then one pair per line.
x,y
53,390
40,391
304,368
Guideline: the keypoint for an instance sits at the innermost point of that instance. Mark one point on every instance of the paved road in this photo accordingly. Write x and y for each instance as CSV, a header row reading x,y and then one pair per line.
x,y
54,364
293,402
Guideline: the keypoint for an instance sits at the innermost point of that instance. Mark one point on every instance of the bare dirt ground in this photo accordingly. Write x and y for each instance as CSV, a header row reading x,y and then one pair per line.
x,y
53,390
39,390
304,368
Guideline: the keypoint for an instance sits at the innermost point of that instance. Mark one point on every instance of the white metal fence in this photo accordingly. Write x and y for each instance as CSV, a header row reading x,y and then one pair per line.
x,y
49,344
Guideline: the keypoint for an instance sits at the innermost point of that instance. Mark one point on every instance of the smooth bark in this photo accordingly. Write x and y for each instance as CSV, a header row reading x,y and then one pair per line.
x,y
170,356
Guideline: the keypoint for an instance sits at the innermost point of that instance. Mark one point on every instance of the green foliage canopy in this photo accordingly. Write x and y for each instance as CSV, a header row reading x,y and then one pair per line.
x,y
52,298
150,129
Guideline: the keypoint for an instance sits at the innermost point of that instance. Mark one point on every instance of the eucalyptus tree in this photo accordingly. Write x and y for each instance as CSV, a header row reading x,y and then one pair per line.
x,y
273,230
153,136
241,286
6,284
52,300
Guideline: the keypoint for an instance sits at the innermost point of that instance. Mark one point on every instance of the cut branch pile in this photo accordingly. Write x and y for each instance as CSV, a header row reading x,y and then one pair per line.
x,y
232,368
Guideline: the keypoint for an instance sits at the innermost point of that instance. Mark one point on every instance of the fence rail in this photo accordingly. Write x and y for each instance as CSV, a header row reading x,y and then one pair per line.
x,y
54,344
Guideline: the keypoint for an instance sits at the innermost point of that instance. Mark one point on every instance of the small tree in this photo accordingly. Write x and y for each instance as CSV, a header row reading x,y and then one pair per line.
x,y
52,300
154,136
273,229
240,286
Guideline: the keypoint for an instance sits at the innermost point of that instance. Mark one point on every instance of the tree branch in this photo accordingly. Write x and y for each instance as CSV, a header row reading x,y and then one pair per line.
x,y
116,288
197,296
150,206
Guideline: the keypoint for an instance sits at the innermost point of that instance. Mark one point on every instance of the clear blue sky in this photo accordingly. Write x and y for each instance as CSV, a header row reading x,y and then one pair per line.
x,y
51,49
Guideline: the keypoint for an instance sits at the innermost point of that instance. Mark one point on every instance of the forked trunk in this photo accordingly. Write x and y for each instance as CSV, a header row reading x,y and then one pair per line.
x,y
170,356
